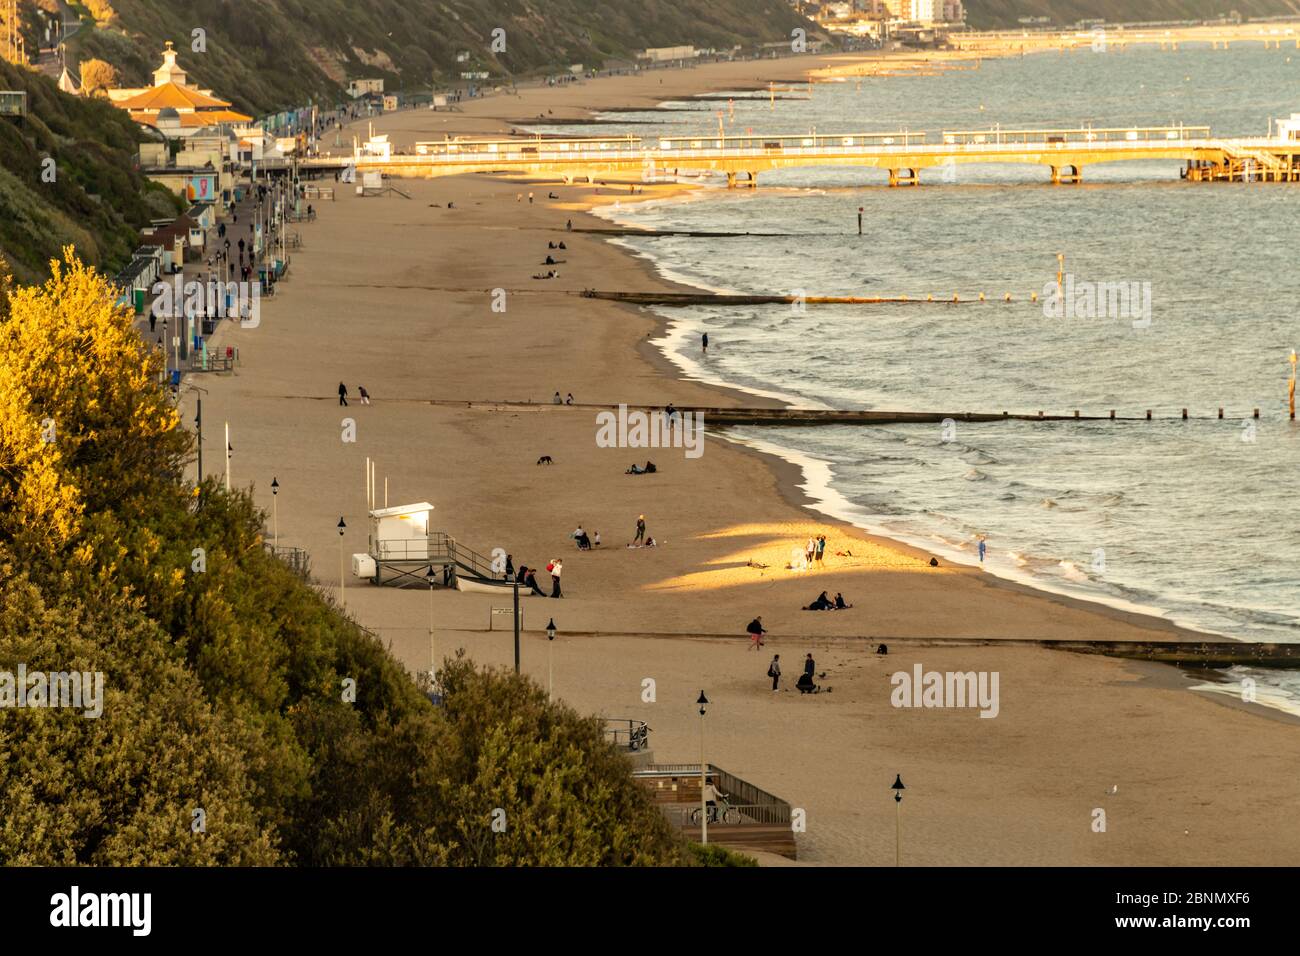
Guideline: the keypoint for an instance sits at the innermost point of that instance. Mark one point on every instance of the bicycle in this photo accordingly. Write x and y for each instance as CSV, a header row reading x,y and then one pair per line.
x,y
723,811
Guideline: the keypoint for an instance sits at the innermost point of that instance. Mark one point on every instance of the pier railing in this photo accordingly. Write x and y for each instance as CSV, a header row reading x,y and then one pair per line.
x,y
627,733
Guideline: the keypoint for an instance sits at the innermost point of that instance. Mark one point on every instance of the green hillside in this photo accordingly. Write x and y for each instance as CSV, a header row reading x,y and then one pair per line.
x,y
268,54
97,201
1003,13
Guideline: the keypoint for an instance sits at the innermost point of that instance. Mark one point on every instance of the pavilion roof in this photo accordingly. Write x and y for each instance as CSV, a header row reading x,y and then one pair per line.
x,y
174,95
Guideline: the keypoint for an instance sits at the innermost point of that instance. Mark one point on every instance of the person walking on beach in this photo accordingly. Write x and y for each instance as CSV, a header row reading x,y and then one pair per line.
x,y
704,342
982,549
756,633
343,394
556,567
809,666
568,225
821,548
774,671
365,396
810,551
530,197
640,529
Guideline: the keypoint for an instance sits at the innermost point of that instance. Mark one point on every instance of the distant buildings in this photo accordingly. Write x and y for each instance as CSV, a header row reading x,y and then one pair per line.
x,y
662,54
172,106
875,17
365,87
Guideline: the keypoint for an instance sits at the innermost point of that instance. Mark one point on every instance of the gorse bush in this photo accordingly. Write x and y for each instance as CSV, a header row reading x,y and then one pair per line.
x,y
226,736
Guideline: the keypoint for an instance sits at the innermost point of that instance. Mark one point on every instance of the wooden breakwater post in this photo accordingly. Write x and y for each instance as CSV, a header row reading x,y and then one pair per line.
x,y
1291,381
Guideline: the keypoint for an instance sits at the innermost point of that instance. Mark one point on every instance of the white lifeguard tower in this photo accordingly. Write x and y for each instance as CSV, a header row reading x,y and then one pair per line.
x,y
402,549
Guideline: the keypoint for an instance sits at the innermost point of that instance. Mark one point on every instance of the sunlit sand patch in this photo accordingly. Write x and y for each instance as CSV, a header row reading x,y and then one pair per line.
x,y
776,547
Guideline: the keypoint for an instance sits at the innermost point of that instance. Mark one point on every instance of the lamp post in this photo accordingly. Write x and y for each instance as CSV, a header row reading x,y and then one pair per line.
x,y
275,512
516,592
430,576
898,789
342,526
704,806
230,450
550,660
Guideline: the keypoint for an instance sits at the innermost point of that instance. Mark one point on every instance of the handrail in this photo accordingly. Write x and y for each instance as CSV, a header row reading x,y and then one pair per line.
x,y
636,736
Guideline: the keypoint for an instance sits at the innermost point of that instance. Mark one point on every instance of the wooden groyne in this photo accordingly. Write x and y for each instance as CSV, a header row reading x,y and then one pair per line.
x,y
803,417
1211,652
717,298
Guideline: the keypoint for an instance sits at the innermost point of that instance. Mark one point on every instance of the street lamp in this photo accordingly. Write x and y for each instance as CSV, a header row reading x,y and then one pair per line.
x,y
430,576
342,526
275,512
704,806
550,659
898,789
230,450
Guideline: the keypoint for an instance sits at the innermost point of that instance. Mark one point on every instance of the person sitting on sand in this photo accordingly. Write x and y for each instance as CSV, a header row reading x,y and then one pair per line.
x,y
532,583
552,195
561,245
580,536
550,245
839,602
806,685
635,470
823,603
650,468
556,400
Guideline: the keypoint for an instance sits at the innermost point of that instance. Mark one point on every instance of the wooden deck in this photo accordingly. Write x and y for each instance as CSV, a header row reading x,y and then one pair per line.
x,y
764,820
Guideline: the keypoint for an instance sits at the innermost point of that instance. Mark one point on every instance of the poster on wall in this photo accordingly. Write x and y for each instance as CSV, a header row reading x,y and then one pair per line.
x,y
202,188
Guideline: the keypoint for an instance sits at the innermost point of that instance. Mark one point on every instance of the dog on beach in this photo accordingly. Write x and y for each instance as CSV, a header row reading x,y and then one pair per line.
x,y
545,460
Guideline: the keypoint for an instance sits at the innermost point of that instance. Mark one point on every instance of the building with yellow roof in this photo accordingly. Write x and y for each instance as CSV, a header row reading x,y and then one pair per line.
x,y
172,106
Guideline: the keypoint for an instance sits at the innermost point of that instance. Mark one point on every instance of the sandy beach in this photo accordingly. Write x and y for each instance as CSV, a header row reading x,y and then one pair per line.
x,y
396,294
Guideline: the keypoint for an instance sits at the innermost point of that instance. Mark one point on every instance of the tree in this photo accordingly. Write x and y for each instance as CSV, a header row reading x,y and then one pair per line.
x,y
96,76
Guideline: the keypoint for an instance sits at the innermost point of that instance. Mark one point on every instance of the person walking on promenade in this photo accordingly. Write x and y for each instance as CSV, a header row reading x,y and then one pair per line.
x,y
774,671
640,529
365,396
343,394
756,633
556,567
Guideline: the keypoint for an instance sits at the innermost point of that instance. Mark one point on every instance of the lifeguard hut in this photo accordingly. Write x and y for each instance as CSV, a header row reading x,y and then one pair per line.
x,y
402,549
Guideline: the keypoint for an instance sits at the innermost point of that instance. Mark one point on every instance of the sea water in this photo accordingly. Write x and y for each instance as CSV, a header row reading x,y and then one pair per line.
x,y
1196,520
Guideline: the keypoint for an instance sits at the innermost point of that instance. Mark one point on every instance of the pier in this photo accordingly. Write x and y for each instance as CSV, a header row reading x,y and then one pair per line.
x,y
903,154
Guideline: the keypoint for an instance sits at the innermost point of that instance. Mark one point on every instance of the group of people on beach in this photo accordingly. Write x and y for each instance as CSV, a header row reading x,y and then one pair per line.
x,y
585,541
527,577
823,603
361,390
805,683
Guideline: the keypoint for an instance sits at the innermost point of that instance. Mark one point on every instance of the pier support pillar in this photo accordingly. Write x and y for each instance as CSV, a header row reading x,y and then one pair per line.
x,y
1070,175
903,177
731,180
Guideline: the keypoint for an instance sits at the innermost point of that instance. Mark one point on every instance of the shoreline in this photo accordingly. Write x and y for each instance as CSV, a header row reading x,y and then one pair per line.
x,y
790,468
394,295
